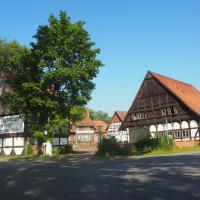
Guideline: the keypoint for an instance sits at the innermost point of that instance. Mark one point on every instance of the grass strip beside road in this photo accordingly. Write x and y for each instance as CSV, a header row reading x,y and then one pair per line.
x,y
175,150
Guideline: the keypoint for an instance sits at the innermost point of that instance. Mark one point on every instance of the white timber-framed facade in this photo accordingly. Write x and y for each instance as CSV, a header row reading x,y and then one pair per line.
x,y
113,129
166,106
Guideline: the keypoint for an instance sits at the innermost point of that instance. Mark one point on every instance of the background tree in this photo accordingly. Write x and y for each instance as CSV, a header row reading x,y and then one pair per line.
x,y
10,55
100,115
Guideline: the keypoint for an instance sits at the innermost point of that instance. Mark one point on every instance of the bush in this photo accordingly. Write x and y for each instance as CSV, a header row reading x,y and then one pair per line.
x,y
29,150
148,145
139,134
56,151
166,143
110,147
39,137
66,149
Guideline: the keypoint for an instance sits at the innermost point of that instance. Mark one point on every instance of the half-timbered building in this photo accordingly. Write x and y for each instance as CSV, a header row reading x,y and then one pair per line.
x,y
114,126
87,130
166,107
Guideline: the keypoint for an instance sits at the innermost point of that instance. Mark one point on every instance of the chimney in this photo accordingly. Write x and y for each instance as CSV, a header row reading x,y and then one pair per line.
x,y
87,113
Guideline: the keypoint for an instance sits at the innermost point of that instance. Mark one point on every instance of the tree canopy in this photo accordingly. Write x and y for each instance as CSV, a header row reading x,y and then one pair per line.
x,y
100,115
54,77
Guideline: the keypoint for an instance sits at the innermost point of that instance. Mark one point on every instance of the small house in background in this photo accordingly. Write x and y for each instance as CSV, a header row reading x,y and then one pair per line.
x,y
114,126
87,130
166,107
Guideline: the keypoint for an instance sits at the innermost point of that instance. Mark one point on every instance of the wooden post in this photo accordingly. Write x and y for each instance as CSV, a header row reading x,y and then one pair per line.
x,y
181,130
12,146
190,130
199,129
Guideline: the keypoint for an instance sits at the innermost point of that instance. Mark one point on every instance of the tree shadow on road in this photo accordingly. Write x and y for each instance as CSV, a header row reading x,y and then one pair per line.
x,y
156,178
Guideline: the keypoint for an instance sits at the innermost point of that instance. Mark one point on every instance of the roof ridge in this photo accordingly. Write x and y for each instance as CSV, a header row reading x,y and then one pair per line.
x,y
120,111
153,73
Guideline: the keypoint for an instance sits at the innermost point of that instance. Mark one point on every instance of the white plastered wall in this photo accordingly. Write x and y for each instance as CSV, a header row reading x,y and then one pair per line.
x,y
7,146
18,145
176,126
55,141
63,141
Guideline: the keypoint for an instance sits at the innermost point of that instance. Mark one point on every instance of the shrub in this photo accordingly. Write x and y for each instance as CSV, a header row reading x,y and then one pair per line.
x,y
139,134
66,149
166,143
39,137
109,146
29,150
147,145
56,151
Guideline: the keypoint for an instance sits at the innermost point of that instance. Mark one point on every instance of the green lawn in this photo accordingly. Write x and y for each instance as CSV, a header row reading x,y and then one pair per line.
x,y
175,150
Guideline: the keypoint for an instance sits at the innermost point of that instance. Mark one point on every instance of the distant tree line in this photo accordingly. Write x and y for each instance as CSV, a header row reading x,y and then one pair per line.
x,y
100,115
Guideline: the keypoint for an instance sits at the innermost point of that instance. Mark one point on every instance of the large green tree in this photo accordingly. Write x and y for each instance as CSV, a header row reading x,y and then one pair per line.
x,y
54,78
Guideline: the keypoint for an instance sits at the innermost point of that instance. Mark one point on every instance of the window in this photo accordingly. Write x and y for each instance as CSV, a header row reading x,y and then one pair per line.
x,y
185,134
175,110
169,112
163,112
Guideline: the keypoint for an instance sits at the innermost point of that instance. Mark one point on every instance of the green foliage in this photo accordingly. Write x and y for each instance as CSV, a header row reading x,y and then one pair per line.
x,y
66,149
29,151
139,135
56,151
166,143
39,137
76,113
11,55
58,126
110,147
152,144
68,61
99,115
55,76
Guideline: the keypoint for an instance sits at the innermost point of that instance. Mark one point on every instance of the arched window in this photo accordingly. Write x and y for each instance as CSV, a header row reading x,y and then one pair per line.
x,y
193,124
176,126
152,129
184,125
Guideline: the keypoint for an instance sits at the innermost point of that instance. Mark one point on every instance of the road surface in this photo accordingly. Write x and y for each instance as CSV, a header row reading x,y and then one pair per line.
x,y
83,177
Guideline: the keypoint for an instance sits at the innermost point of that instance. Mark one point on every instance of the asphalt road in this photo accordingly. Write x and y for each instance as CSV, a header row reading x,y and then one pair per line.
x,y
84,177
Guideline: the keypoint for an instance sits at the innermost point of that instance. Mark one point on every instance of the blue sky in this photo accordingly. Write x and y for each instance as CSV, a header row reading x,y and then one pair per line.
x,y
134,37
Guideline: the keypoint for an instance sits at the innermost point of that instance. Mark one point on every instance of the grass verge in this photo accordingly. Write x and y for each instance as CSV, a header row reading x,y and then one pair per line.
x,y
175,150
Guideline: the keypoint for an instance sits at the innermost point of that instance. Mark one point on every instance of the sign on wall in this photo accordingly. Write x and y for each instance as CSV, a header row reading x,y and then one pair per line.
x,y
11,124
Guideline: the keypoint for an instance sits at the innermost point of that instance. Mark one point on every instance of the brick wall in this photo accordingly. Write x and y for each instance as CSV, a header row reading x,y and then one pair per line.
x,y
185,143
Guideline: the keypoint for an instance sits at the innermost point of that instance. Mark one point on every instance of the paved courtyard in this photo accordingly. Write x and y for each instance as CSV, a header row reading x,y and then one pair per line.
x,y
83,177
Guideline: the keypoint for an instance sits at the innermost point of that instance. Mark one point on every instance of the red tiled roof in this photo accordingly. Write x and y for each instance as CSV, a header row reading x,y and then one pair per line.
x,y
186,93
100,124
96,124
85,122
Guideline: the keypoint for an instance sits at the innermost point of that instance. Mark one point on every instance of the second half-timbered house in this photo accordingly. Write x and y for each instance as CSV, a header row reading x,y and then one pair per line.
x,y
114,126
166,107
87,130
